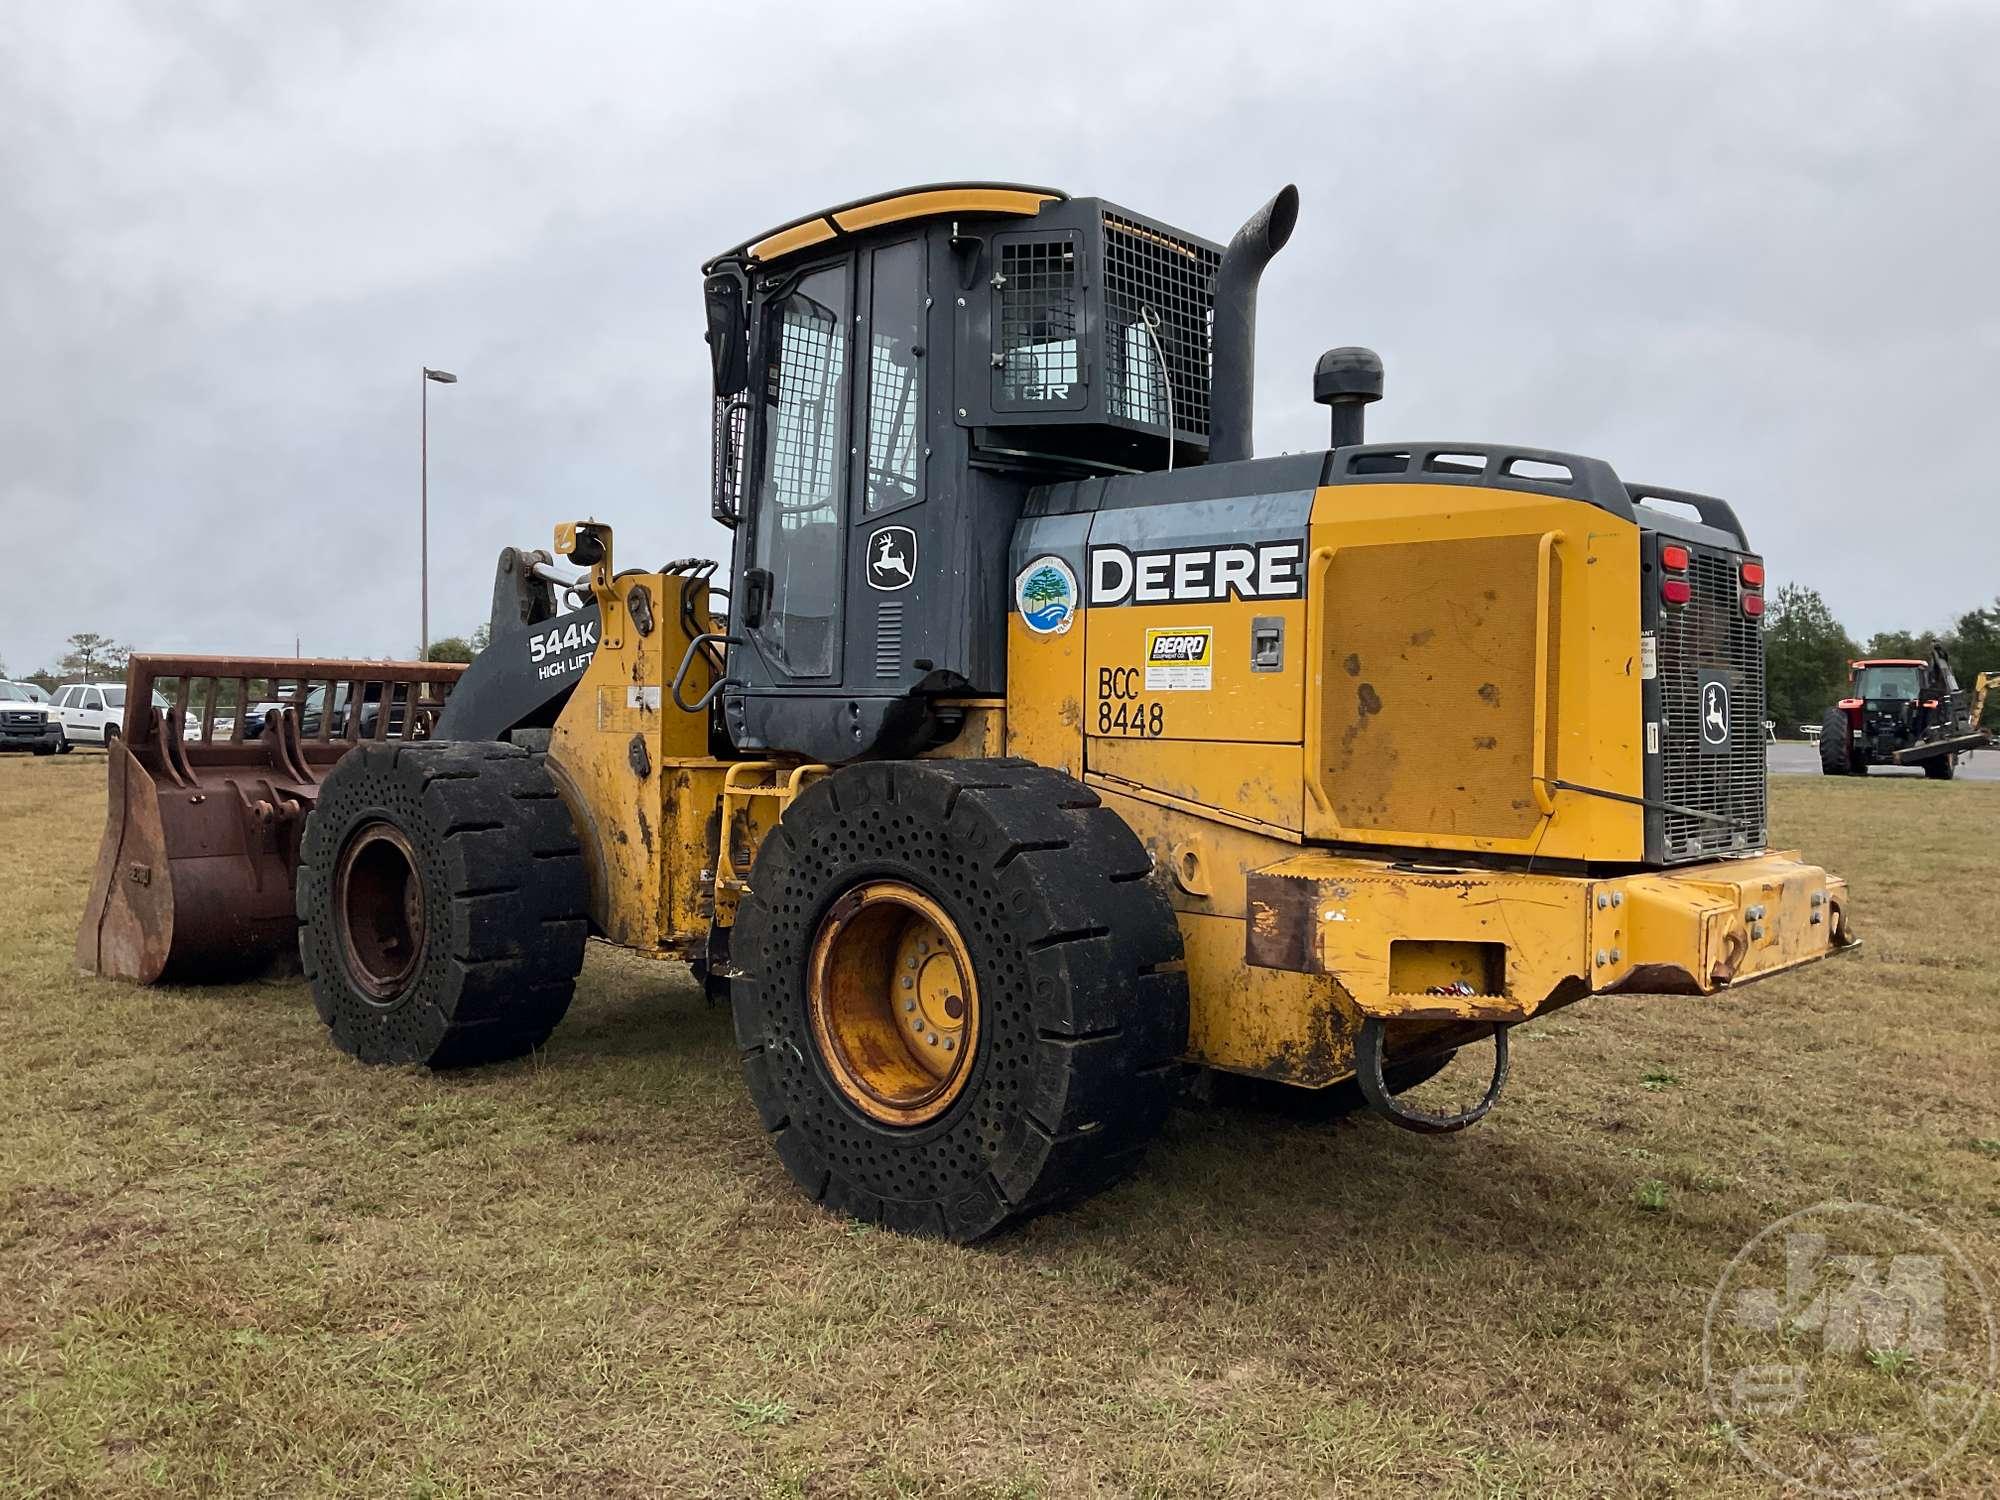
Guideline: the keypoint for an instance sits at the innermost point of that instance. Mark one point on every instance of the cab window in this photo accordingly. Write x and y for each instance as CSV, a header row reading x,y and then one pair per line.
x,y
799,499
1885,683
895,376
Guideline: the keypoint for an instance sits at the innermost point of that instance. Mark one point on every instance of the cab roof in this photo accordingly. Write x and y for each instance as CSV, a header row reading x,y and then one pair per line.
x,y
1889,661
929,201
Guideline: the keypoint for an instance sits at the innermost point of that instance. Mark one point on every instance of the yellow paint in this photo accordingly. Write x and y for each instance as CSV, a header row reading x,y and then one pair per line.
x,y
1297,1028
1250,784
897,208
634,769
1239,705
789,241
1470,647
940,201
983,736
1045,695
1558,937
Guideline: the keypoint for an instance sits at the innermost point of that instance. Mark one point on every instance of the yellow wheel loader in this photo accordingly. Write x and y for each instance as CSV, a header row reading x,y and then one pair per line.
x,y
1048,746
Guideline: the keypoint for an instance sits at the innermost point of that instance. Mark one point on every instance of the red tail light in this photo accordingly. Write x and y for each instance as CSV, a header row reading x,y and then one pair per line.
x,y
1676,590
1674,560
1753,605
1753,575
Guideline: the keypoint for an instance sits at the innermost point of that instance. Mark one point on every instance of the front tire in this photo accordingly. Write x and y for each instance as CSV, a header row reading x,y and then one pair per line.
x,y
441,902
1021,912
1941,769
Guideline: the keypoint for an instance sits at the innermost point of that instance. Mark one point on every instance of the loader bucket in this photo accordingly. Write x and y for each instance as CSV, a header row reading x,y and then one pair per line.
x,y
201,836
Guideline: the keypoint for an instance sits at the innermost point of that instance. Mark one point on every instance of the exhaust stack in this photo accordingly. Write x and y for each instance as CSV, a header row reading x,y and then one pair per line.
x,y
1234,341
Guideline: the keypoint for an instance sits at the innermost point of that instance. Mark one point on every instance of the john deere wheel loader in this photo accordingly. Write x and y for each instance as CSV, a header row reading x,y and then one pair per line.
x,y
1049,743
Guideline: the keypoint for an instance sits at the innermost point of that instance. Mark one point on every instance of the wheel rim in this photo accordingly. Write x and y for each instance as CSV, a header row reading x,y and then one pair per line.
x,y
894,1003
378,906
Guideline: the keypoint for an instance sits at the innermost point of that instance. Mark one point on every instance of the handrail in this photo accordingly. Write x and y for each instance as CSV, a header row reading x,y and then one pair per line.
x,y
1538,774
1317,568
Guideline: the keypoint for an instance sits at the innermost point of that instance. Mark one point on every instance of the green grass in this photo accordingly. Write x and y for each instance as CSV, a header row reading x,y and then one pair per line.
x,y
232,1262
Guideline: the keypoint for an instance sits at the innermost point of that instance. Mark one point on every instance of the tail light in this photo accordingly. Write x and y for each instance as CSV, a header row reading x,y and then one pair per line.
x,y
1674,559
1752,574
1676,590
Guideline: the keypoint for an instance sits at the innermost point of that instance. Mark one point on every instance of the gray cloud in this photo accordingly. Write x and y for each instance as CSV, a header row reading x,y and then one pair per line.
x,y
1746,250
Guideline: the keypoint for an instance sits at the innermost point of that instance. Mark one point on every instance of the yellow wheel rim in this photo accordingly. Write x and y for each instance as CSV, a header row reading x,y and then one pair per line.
x,y
893,1002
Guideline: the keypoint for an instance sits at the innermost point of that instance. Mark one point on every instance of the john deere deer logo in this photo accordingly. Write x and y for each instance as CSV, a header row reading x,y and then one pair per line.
x,y
1714,714
892,558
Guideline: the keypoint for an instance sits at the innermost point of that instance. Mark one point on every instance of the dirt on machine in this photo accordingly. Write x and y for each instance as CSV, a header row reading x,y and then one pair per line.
x,y
1905,712
1049,750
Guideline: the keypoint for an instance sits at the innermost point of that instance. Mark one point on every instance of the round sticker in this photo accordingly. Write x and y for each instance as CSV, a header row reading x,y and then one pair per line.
x,y
1045,593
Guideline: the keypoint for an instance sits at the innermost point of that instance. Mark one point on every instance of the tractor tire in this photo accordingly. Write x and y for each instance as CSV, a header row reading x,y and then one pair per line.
x,y
441,901
1008,918
1836,751
1942,768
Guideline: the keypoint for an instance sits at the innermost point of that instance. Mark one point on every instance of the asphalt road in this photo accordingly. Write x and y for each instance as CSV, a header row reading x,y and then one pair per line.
x,y
1791,759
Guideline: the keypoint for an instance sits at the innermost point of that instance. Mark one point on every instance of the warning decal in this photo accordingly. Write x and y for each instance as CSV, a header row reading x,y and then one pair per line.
x,y
1179,658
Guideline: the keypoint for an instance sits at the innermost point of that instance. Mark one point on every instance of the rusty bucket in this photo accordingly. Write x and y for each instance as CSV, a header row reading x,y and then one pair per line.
x,y
195,872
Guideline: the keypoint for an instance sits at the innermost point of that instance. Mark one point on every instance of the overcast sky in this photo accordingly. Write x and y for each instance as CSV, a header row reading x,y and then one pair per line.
x,y
1747,249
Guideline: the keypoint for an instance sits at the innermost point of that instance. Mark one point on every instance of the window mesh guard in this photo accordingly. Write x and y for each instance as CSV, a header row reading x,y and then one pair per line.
x,y
1148,269
1039,317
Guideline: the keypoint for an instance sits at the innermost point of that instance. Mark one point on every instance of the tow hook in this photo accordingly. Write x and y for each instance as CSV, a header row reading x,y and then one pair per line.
x,y
1368,1073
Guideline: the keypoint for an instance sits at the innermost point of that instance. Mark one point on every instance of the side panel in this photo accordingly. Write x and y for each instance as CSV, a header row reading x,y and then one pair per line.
x,y
1471,648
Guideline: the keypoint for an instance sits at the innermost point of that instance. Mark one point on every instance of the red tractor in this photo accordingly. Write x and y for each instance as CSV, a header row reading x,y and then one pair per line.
x,y
1903,712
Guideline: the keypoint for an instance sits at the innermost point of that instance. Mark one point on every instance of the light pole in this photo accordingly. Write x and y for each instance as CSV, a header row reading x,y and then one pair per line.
x,y
442,377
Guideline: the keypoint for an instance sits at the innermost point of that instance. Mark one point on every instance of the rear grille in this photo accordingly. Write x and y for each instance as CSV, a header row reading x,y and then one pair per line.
x,y
1711,634
1148,270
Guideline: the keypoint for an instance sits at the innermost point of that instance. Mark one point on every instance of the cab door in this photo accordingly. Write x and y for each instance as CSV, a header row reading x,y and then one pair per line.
x,y
793,591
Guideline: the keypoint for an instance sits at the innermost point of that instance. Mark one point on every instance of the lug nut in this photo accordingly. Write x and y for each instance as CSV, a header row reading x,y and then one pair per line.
x,y
909,1005
932,1039
908,982
949,1043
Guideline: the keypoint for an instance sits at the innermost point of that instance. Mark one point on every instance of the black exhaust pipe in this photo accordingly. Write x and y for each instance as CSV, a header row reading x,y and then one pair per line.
x,y
1233,350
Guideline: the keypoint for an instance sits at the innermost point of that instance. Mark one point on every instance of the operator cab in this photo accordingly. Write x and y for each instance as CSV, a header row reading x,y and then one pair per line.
x,y
892,377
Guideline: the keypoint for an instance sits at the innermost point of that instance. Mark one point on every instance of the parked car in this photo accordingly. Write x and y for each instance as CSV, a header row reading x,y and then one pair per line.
x,y
25,723
93,713
314,707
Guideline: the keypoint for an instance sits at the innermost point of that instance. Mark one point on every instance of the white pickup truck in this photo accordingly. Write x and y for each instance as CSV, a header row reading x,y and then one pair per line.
x,y
27,722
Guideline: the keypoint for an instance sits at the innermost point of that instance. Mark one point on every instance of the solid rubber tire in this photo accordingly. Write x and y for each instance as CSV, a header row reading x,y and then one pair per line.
x,y
504,890
1075,952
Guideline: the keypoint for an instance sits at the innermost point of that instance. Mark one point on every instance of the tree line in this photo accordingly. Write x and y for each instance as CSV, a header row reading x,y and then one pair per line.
x,y
1807,650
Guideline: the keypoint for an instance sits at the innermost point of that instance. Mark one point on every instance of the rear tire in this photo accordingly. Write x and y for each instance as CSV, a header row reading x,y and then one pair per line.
x,y
1941,769
110,735
1836,754
441,901
1032,899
